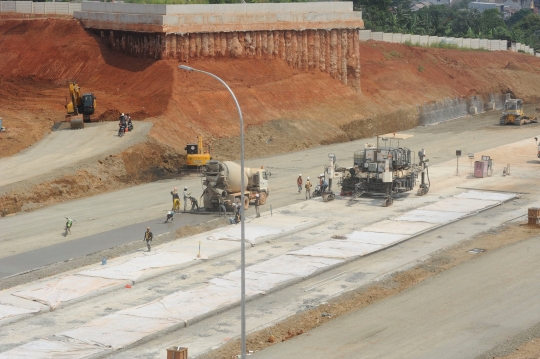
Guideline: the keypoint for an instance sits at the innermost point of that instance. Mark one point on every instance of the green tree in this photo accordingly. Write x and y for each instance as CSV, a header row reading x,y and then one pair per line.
x,y
517,16
489,20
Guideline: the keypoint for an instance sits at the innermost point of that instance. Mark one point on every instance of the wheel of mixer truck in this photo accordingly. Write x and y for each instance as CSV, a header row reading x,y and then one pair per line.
x,y
262,198
246,203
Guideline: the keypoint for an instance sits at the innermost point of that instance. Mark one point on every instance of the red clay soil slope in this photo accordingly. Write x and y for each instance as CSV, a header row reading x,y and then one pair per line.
x,y
40,56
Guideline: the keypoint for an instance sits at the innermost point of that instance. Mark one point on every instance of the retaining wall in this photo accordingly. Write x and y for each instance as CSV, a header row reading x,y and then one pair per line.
x,y
181,19
29,7
424,40
335,51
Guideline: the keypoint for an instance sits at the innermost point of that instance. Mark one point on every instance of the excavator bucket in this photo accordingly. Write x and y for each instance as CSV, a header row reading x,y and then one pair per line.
x,y
77,122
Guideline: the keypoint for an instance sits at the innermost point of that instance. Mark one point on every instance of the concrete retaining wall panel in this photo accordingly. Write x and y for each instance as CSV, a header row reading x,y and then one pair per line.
x,y
396,38
415,39
50,8
405,38
493,45
387,37
475,43
24,7
377,36
458,41
62,8
467,43
503,45
483,44
433,40
448,40
252,8
39,8
364,35
7,6
424,40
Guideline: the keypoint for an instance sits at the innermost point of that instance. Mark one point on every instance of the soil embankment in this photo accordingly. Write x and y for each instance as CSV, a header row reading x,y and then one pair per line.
x,y
284,109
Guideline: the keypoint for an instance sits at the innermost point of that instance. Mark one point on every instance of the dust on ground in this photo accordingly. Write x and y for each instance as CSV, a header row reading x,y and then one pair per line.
x,y
92,258
393,285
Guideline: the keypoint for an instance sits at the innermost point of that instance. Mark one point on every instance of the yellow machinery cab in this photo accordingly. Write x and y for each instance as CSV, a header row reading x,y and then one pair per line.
x,y
196,155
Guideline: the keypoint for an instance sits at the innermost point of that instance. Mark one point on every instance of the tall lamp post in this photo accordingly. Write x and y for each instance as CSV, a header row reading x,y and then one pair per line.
x,y
242,235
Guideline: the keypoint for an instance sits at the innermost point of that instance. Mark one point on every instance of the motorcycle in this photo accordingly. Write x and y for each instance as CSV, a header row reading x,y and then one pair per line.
x,y
317,191
130,126
121,130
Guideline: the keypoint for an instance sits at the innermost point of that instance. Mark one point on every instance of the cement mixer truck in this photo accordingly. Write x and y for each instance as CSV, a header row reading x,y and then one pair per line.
x,y
223,180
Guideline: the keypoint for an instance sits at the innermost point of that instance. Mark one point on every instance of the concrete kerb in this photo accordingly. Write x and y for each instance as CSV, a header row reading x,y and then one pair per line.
x,y
293,282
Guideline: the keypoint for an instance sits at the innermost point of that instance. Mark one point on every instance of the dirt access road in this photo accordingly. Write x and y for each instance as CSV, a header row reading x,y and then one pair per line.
x,y
66,149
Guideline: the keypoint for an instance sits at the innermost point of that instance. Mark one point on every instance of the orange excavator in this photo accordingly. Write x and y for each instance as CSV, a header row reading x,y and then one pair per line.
x,y
196,155
80,107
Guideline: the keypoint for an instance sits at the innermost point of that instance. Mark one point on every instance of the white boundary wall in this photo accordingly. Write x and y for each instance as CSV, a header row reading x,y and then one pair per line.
x,y
29,7
424,40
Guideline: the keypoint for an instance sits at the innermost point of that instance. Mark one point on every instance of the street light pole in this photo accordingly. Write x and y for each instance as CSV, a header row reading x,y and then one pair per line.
x,y
242,233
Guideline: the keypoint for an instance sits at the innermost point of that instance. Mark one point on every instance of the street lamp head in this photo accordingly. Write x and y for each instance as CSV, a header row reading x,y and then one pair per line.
x,y
184,67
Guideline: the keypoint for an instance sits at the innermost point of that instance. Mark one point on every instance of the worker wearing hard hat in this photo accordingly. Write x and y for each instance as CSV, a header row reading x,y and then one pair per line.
x,y
257,202
186,197
308,189
299,182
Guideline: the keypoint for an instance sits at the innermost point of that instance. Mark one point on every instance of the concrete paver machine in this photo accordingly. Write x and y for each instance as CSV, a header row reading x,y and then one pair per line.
x,y
385,170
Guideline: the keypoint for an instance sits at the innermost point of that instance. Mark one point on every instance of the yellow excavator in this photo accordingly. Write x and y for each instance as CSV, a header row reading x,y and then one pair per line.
x,y
513,114
81,106
196,155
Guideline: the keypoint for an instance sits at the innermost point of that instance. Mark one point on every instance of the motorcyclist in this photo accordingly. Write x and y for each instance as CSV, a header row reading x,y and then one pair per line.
x,y
129,123
122,119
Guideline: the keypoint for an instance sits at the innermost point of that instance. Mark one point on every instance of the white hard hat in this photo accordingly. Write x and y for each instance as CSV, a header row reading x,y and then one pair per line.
x,y
257,195
308,178
122,114
185,187
300,175
322,175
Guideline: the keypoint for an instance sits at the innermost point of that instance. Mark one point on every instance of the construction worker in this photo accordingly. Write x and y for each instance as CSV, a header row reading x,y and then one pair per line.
x,y
170,215
299,182
308,189
257,201
194,203
148,236
324,184
186,196
176,200
237,216
69,223
222,207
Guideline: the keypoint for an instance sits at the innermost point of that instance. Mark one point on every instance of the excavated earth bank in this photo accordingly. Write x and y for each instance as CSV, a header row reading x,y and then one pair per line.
x,y
284,109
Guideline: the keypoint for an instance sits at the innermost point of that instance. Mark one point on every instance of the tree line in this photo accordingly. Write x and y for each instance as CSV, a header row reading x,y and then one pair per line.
x,y
457,20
